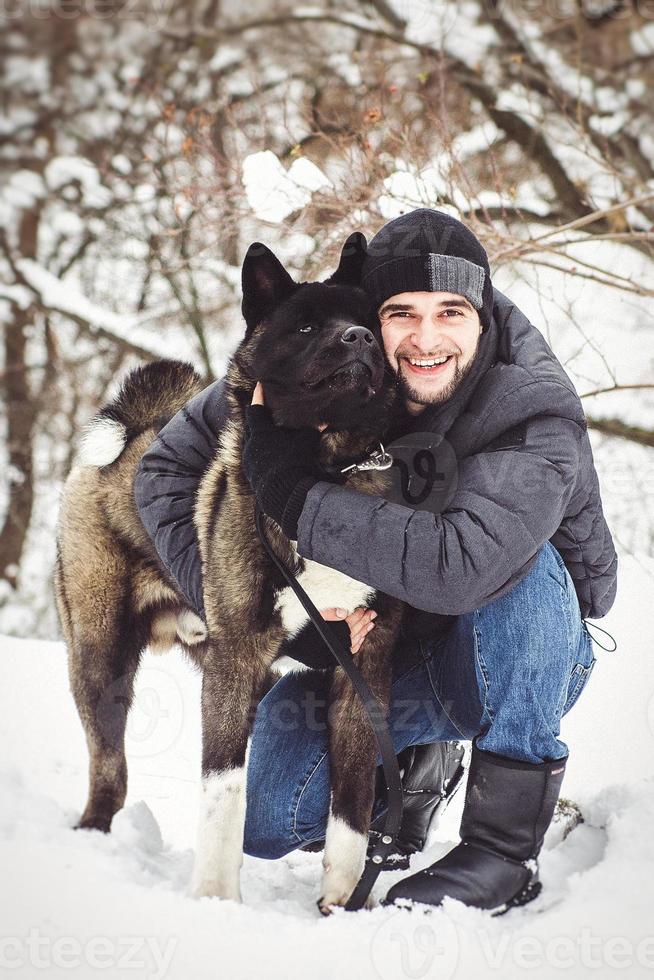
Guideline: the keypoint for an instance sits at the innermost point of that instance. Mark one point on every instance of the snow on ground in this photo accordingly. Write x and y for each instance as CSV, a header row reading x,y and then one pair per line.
x,y
84,904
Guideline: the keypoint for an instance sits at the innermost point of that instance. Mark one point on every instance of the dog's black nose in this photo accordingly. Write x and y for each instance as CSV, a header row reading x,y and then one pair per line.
x,y
358,337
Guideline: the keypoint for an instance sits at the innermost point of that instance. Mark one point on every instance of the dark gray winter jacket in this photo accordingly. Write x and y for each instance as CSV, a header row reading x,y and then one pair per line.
x,y
525,476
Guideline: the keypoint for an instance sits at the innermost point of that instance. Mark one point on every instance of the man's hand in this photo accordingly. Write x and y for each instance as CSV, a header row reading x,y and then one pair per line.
x,y
360,622
281,464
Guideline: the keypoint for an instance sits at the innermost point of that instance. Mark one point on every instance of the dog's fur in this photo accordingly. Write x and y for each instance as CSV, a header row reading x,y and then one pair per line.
x,y
115,598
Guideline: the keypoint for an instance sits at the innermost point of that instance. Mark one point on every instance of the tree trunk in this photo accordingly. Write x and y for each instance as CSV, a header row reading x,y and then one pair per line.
x,y
21,414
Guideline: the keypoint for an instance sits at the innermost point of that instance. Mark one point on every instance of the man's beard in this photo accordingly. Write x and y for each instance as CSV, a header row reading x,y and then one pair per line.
x,y
435,397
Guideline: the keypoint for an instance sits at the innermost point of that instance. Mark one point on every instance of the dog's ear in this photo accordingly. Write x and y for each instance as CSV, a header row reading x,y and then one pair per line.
x,y
351,263
265,282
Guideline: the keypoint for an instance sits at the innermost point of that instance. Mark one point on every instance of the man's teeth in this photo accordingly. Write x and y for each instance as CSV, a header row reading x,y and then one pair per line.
x,y
437,360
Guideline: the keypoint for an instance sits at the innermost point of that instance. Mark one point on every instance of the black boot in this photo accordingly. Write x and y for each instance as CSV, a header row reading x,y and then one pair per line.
x,y
431,774
509,806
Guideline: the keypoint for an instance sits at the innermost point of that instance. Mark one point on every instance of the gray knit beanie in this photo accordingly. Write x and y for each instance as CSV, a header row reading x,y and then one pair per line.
x,y
427,250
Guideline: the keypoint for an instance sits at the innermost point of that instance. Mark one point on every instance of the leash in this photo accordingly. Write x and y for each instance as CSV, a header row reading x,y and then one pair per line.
x,y
385,844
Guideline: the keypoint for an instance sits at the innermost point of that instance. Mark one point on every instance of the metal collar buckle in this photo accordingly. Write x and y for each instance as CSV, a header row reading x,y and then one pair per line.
x,y
377,460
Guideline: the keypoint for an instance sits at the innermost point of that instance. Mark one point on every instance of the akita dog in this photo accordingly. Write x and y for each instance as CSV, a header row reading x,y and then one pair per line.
x,y
317,349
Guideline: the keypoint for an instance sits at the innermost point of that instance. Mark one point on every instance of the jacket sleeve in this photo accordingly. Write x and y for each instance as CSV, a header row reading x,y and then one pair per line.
x,y
167,480
507,504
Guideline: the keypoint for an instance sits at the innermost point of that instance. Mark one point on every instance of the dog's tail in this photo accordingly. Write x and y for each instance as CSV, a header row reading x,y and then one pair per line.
x,y
148,397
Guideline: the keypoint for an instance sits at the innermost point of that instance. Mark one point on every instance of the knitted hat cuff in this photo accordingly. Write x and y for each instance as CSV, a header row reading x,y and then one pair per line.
x,y
426,273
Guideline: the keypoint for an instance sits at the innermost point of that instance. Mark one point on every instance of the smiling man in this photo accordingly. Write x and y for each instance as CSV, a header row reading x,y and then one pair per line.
x,y
500,576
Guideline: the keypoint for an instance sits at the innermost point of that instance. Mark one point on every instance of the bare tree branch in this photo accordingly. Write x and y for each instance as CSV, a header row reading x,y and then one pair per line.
x,y
615,427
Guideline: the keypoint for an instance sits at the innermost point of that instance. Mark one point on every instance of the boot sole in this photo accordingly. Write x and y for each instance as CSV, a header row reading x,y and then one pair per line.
x,y
527,894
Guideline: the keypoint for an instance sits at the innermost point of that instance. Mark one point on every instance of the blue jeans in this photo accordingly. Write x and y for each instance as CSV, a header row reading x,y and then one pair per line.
x,y
505,673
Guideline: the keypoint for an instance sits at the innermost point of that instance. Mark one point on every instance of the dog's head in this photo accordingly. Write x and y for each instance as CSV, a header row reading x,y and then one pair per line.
x,y
316,347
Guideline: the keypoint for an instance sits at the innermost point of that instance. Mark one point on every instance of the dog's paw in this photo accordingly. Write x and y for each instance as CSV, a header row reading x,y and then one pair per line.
x,y
205,888
337,886
103,824
326,907
343,863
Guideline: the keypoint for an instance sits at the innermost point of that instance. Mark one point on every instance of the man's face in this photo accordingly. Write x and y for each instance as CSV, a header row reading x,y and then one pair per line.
x,y
425,326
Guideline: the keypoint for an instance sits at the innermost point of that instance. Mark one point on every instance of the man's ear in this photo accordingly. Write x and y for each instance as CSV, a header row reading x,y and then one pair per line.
x,y
266,284
349,268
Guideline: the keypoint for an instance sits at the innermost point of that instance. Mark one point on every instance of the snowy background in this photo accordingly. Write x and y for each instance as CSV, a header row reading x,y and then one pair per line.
x,y
141,151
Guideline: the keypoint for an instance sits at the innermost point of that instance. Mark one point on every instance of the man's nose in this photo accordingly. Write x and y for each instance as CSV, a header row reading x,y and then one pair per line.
x,y
357,338
426,334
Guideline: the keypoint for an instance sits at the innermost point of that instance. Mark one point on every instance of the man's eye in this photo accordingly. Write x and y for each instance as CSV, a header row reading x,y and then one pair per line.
x,y
402,313
307,328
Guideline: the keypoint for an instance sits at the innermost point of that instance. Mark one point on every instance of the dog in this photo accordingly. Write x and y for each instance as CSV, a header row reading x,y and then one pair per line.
x,y
317,348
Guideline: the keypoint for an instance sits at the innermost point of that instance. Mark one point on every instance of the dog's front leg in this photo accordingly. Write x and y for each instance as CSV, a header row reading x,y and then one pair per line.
x,y
230,691
352,754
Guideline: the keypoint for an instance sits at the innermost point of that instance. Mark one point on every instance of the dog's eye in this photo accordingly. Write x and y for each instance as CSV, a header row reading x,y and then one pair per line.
x,y
307,328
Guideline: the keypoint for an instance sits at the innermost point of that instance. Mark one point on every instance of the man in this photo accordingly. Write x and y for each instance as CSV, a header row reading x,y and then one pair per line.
x,y
502,573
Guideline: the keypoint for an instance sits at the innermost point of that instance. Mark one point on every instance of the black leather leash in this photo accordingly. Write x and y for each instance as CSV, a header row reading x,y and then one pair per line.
x,y
384,846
